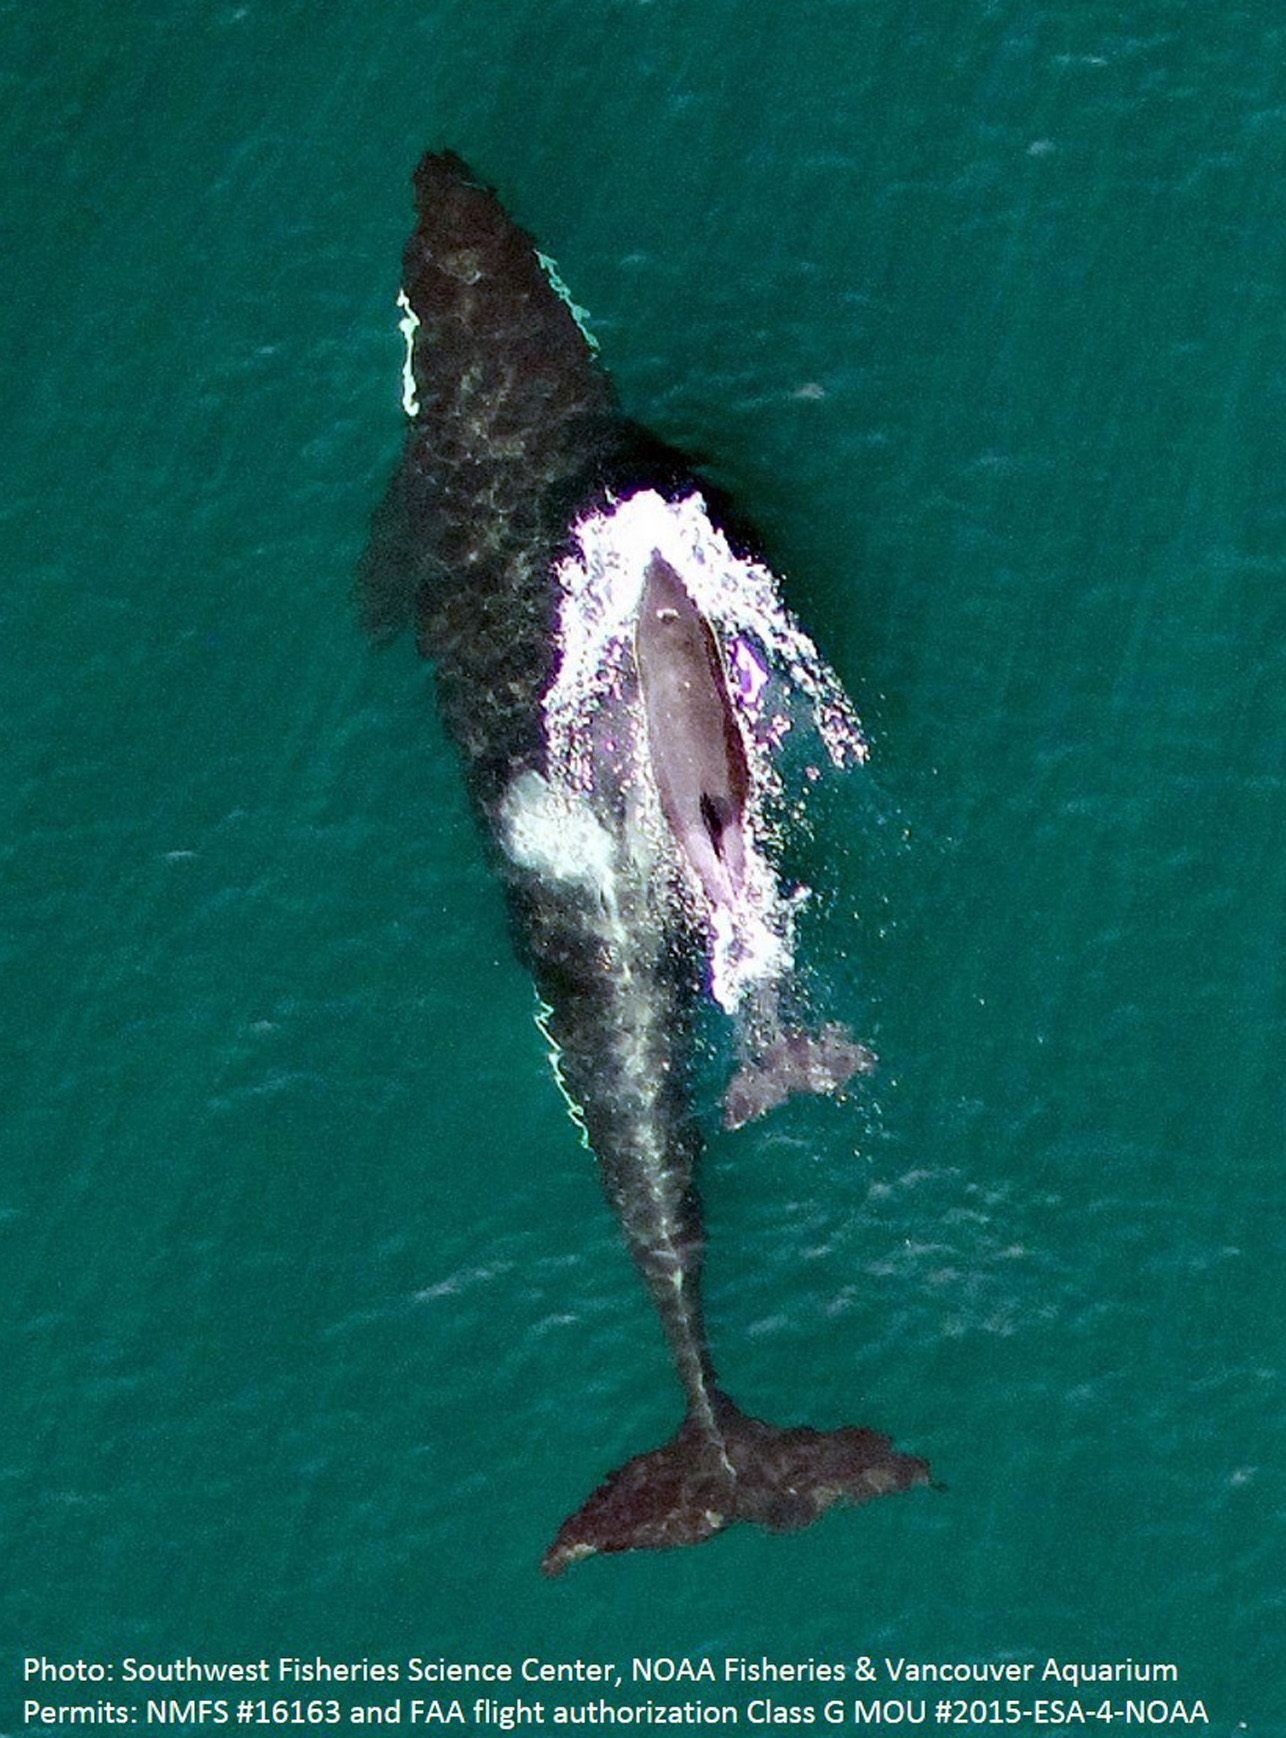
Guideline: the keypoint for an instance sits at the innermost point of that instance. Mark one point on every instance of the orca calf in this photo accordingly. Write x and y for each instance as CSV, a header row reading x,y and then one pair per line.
x,y
623,682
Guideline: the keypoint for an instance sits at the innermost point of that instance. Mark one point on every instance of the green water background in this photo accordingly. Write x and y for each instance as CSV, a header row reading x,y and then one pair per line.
x,y
313,1323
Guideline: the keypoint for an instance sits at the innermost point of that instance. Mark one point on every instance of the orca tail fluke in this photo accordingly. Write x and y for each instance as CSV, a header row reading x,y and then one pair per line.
x,y
697,1484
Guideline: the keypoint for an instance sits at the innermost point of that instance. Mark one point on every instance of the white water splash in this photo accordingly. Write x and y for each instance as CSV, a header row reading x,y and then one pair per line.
x,y
408,326
556,284
776,680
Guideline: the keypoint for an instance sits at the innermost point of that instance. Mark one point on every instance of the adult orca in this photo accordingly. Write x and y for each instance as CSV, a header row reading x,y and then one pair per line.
x,y
620,677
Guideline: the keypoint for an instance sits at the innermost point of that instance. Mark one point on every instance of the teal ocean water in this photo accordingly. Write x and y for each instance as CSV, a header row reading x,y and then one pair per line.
x,y
313,1325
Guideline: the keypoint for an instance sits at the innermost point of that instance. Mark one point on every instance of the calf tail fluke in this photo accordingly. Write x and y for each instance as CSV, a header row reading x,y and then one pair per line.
x,y
791,1062
696,1485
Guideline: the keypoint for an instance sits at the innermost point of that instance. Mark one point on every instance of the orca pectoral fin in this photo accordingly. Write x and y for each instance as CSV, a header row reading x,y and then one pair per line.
x,y
794,1062
696,1485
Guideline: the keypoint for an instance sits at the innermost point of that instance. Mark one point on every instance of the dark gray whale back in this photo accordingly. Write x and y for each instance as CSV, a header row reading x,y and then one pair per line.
x,y
516,427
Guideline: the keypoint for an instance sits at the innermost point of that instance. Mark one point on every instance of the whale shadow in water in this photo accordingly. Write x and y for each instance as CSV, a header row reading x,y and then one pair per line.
x,y
618,672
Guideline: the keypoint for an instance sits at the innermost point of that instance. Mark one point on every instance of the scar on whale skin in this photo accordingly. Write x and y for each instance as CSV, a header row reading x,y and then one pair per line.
x,y
618,673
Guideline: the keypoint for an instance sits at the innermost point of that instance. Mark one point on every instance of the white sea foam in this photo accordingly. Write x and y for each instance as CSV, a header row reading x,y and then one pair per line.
x,y
408,325
776,680
554,831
